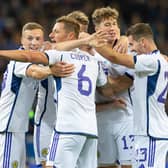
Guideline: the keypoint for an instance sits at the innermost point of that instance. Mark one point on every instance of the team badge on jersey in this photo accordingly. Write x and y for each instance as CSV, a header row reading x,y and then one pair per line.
x,y
44,152
15,164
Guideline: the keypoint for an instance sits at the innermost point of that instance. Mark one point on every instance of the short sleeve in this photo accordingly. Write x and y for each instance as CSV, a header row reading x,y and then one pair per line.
x,y
146,64
20,69
102,78
53,56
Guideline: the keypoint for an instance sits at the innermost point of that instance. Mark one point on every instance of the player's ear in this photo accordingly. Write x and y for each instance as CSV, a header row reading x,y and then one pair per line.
x,y
71,36
142,41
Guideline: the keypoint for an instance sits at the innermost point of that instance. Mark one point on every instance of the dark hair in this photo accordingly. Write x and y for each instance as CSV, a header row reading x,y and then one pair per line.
x,y
140,30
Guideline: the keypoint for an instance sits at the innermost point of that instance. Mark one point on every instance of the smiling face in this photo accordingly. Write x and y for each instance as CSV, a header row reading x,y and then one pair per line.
x,y
111,26
32,39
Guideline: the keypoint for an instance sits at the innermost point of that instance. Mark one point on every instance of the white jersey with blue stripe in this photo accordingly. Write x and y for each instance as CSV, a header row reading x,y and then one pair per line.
x,y
18,92
151,86
114,70
76,93
46,102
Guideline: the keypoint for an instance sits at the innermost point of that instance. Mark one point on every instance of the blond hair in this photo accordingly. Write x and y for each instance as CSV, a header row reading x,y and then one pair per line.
x,y
32,26
79,16
70,24
104,13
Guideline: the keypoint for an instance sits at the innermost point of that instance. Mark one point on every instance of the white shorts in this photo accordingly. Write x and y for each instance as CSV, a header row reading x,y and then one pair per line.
x,y
12,150
74,151
149,152
115,143
41,139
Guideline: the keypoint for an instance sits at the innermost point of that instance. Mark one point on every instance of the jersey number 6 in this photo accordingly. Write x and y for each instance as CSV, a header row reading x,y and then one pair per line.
x,y
83,81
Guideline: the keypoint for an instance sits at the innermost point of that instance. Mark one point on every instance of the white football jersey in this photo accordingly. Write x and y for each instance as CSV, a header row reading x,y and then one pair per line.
x,y
76,94
46,102
18,92
151,86
116,115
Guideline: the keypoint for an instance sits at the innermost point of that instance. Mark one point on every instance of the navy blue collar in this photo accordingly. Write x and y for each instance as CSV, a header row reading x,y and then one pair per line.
x,y
21,48
155,51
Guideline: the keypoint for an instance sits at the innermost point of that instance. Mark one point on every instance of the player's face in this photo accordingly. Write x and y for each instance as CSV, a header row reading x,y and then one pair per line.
x,y
110,25
58,33
32,39
136,46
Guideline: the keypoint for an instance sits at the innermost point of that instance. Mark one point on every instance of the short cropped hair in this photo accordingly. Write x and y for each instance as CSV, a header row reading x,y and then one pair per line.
x,y
104,13
70,24
140,30
79,16
32,26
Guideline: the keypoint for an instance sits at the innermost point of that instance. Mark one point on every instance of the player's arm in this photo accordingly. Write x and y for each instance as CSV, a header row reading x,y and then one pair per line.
x,y
122,45
25,56
115,85
38,72
115,57
60,69
114,103
69,45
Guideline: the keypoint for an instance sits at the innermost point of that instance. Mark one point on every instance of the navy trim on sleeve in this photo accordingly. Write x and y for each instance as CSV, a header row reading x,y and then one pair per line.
x,y
135,59
47,57
129,75
29,66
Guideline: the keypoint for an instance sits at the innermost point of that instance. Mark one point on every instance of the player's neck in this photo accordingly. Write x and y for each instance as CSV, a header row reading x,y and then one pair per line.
x,y
151,47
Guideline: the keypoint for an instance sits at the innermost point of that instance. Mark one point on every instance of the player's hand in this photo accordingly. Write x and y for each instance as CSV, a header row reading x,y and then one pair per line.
x,y
119,103
62,69
122,45
86,48
98,39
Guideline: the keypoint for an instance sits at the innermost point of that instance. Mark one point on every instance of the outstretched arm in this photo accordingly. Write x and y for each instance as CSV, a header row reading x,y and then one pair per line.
x,y
69,45
115,57
85,40
99,42
25,56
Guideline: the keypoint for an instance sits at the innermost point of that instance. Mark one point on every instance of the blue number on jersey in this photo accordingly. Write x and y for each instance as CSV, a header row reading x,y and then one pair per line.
x,y
141,166
162,96
81,80
127,139
143,153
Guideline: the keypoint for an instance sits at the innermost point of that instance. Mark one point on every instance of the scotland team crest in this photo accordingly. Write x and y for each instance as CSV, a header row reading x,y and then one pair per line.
x,y
44,152
15,164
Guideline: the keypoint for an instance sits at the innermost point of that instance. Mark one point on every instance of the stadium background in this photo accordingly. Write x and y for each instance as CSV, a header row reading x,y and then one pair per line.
x,y
15,13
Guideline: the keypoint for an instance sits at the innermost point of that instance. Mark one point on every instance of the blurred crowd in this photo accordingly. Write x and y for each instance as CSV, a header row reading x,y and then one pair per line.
x,y
14,14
